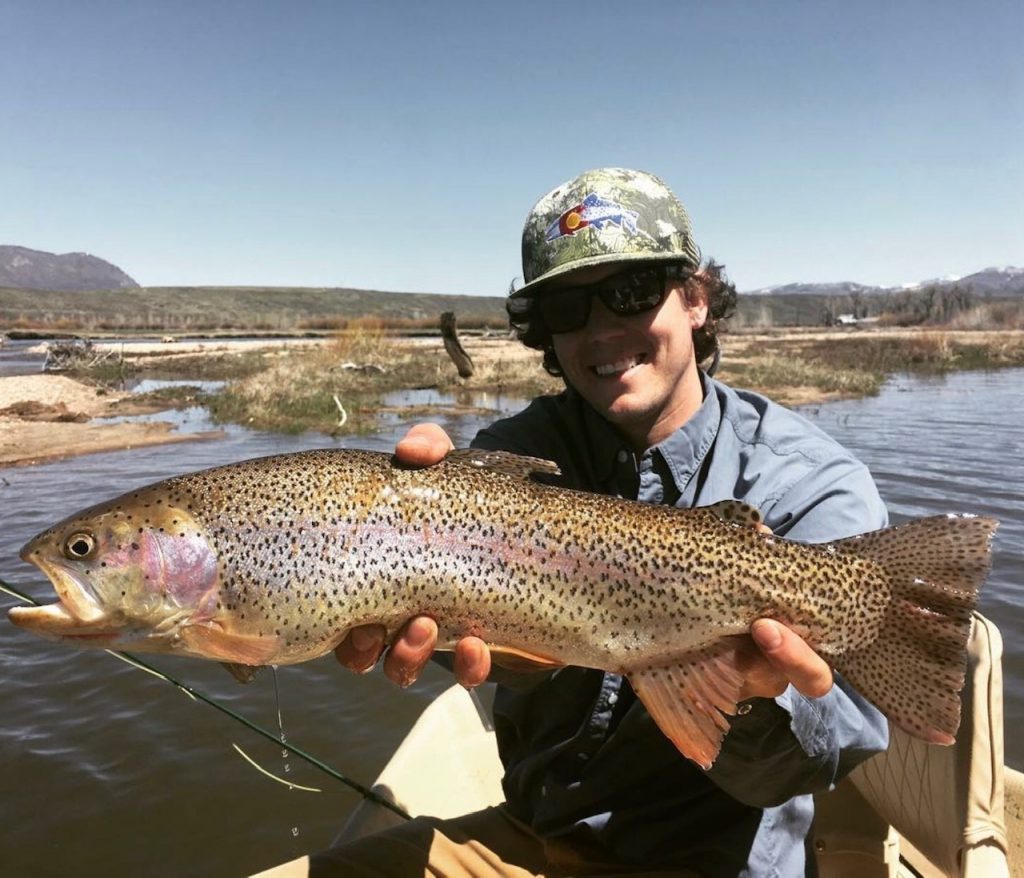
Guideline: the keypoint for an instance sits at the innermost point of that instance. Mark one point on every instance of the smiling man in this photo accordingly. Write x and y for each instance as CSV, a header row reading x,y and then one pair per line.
x,y
617,299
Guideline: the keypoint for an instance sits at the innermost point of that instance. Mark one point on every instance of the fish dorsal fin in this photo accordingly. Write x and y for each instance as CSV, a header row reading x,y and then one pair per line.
x,y
736,512
518,465
690,695
242,673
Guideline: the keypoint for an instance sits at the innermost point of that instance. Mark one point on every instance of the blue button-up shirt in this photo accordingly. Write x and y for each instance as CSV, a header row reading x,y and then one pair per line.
x,y
583,759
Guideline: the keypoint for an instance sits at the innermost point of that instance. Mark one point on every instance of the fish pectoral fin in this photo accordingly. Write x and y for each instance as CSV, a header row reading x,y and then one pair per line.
x,y
210,640
522,660
690,696
242,673
518,465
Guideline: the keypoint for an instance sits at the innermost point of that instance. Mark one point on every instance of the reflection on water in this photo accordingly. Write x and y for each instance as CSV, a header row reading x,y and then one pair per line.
x,y
148,778
151,385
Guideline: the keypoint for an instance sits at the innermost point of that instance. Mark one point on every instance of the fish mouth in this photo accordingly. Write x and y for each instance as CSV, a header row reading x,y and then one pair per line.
x,y
77,614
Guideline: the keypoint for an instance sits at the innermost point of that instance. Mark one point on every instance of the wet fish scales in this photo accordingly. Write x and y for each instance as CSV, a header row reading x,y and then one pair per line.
x,y
273,560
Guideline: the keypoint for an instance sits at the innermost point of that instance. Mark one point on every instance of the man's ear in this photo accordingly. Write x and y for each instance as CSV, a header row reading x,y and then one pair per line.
x,y
696,298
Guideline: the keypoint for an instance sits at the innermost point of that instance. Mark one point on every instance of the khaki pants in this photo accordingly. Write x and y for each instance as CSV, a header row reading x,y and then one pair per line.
x,y
488,844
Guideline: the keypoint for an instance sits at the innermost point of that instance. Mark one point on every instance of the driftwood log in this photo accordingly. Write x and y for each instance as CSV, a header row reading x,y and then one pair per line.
x,y
454,347
75,353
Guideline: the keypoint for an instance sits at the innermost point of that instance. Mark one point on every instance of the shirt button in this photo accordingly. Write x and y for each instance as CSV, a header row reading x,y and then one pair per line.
x,y
622,456
744,709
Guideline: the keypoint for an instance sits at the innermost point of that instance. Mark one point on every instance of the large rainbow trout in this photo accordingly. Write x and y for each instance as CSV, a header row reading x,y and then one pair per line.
x,y
272,561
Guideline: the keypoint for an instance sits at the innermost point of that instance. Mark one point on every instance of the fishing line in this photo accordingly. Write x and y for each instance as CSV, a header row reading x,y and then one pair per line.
x,y
196,695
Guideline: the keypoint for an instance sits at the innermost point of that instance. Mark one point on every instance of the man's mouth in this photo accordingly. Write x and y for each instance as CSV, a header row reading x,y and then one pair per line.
x,y
619,366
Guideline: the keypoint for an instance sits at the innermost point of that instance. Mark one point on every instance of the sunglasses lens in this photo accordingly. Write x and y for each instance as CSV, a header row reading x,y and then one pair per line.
x,y
634,293
625,294
565,310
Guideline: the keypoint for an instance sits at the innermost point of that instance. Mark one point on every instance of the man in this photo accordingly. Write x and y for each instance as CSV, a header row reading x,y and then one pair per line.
x,y
616,298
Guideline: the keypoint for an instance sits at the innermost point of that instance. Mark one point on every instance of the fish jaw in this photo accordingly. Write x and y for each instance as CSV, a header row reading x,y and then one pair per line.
x,y
77,616
137,592
78,607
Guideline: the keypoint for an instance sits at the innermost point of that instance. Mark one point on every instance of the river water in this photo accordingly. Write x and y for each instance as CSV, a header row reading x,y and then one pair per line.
x,y
108,770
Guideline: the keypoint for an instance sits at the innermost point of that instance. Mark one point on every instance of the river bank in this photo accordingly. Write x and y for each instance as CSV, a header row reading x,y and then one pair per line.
x,y
335,384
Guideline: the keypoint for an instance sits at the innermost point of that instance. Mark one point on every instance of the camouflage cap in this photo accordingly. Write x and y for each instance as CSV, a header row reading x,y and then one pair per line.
x,y
606,215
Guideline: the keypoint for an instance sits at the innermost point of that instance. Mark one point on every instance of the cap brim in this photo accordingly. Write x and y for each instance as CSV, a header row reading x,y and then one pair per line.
x,y
538,284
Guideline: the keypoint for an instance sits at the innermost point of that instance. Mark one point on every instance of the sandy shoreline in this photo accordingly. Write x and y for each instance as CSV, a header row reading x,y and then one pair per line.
x,y
49,417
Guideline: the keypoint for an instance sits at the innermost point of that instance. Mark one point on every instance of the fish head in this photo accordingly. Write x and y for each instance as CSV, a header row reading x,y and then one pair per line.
x,y
128,575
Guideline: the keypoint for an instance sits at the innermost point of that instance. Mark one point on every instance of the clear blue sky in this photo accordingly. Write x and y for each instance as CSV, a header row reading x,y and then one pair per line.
x,y
399,145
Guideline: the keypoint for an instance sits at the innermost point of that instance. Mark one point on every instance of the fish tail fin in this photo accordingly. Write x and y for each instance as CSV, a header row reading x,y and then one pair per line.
x,y
914,669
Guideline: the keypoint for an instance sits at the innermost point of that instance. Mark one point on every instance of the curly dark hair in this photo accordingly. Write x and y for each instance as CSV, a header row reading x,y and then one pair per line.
x,y
710,283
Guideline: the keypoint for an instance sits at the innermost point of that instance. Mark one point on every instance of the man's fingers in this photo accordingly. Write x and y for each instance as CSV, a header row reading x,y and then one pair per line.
x,y
806,670
411,651
361,648
471,662
423,445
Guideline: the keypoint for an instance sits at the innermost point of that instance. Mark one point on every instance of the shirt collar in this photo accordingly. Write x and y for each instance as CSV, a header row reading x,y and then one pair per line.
x,y
683,451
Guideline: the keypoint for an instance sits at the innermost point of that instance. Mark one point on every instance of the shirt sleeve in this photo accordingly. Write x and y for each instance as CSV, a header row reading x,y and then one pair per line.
x,y
794,745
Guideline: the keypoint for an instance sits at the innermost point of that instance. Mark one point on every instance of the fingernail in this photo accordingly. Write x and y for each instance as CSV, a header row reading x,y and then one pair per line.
x,y
768,634
366,668
417,636
366,639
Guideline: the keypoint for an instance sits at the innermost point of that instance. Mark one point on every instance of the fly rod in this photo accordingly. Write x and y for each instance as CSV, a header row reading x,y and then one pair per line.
x,y
134,660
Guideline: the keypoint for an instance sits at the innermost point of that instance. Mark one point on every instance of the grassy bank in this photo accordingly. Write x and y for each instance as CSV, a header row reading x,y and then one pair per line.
x,y
298,391
338,386
796,367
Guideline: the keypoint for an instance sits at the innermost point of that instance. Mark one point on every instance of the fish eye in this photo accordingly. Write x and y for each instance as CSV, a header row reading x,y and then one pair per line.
x,y
79,546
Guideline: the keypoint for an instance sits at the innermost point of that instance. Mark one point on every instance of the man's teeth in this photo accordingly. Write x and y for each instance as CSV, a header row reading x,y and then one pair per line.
x,y
617,366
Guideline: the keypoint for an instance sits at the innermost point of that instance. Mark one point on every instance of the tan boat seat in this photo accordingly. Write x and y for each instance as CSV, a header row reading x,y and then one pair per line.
x,y
939,810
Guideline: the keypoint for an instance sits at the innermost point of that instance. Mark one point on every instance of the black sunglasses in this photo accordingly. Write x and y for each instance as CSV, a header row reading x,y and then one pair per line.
x,y
632,292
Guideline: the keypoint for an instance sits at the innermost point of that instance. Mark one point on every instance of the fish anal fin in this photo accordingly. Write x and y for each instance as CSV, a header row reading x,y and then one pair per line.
x,y
690,696
210,640
242,673
517,465
736,512
520,659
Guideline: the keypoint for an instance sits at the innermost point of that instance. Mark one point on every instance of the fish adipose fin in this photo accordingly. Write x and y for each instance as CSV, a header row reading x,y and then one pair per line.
x,y
914,670
517,465
690,697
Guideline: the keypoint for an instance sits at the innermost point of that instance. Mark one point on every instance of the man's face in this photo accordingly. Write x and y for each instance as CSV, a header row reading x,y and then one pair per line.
x,y
637,371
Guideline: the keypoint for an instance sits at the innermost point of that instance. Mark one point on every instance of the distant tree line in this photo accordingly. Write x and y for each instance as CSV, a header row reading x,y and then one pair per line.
x,y
957,305
930,304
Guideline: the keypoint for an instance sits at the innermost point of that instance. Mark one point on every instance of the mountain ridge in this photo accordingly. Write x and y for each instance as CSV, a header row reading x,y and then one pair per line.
x,y
994,280
22,268
28,269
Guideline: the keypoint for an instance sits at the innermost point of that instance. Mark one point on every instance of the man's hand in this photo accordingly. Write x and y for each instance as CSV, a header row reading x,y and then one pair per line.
x,y
785,658
423,445
782,657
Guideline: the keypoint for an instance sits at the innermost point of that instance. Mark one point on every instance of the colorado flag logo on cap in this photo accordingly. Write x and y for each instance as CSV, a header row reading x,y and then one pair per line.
x,y
592,211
